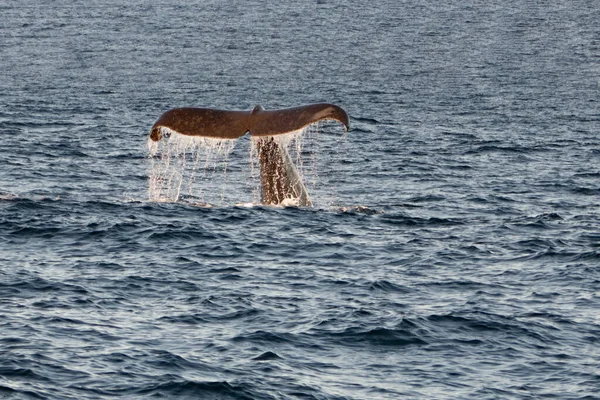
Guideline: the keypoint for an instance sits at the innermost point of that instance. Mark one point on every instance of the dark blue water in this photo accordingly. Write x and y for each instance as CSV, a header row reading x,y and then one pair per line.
x,y
453,250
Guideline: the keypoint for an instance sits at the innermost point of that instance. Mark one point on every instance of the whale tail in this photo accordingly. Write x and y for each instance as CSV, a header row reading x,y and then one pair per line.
x,y
281,182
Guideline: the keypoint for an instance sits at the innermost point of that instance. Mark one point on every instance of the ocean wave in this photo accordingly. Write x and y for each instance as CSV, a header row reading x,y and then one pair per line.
x,y
210,390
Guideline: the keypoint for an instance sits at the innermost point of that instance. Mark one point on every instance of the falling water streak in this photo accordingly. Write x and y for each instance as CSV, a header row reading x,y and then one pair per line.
x,y
193,174
334,146
312,133
167,174
225,164
254,182
336,156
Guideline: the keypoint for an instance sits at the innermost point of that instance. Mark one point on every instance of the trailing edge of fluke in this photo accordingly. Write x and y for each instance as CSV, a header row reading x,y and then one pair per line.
x,y
224,124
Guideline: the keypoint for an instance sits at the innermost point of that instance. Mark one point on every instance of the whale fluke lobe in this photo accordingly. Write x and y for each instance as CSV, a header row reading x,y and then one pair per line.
x,y
224,124
276,122
202,122
280,179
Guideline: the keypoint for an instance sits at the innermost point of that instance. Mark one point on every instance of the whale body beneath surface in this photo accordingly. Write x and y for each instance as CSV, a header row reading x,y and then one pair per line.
x,y
280,180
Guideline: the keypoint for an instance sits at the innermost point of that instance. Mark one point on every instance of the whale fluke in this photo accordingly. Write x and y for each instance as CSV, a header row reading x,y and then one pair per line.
x,y
224,124
280,179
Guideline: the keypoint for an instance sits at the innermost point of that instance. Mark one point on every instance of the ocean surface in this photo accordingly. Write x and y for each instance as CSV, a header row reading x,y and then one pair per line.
x,y
453,250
